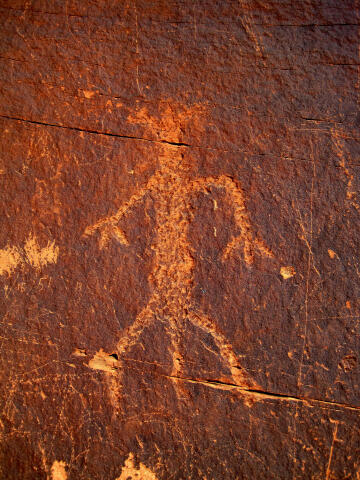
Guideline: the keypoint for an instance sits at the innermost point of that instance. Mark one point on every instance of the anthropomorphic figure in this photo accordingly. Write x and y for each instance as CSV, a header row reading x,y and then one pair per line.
x,y
172,277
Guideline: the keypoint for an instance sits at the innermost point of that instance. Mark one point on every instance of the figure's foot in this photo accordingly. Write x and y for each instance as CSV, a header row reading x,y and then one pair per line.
x,y
238,374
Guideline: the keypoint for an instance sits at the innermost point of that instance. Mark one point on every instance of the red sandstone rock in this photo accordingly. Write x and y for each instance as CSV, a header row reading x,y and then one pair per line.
x,y
179,240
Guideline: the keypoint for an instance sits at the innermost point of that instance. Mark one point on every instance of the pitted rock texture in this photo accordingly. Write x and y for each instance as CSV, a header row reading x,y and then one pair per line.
x,y
179,241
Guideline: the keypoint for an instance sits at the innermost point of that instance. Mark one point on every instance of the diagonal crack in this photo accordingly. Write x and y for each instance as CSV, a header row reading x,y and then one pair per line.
x,y
77,129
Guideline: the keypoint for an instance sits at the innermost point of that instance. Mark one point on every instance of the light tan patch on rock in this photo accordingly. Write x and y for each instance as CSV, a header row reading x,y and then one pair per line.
x,y
39,257
129,471
331,253
287,272
11,257
58,471
9,260
103,361
79,352
88,93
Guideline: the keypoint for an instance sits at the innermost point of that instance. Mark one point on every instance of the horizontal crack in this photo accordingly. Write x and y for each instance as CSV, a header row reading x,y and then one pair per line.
x,y
178,144
306,25
261,393
44,12
171,21
323,120
91,131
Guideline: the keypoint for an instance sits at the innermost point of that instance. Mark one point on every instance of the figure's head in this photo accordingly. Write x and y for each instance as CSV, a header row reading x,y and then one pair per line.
x,y
169,120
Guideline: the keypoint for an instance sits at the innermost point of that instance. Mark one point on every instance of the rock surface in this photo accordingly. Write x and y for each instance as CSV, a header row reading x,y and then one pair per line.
x,y
179,241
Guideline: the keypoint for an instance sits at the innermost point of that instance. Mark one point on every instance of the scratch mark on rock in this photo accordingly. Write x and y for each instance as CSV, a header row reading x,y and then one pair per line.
x,y
331,452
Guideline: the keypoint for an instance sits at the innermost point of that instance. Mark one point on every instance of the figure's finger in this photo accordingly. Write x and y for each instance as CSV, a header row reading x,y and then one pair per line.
x,y
263,248
119,235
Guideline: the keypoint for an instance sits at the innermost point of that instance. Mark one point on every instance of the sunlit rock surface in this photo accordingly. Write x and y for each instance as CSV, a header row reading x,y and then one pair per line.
x,y
179,241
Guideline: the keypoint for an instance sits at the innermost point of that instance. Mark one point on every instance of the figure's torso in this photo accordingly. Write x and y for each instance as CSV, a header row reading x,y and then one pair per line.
x,y
172,275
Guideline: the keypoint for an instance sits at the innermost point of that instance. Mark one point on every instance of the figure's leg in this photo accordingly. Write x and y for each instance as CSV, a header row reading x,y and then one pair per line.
x,y
174,333
226,350
131,334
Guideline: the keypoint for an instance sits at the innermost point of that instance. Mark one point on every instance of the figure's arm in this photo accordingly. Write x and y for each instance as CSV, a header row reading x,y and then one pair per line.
x,y
246,238
108,226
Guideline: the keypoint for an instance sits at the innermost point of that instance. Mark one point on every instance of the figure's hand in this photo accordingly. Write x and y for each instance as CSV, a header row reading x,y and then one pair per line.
x,y
247,239
237,243
248,244
108,227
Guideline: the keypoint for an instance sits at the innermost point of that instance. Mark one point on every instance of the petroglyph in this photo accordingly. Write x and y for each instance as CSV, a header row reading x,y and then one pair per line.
x,y
32,254
172,277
